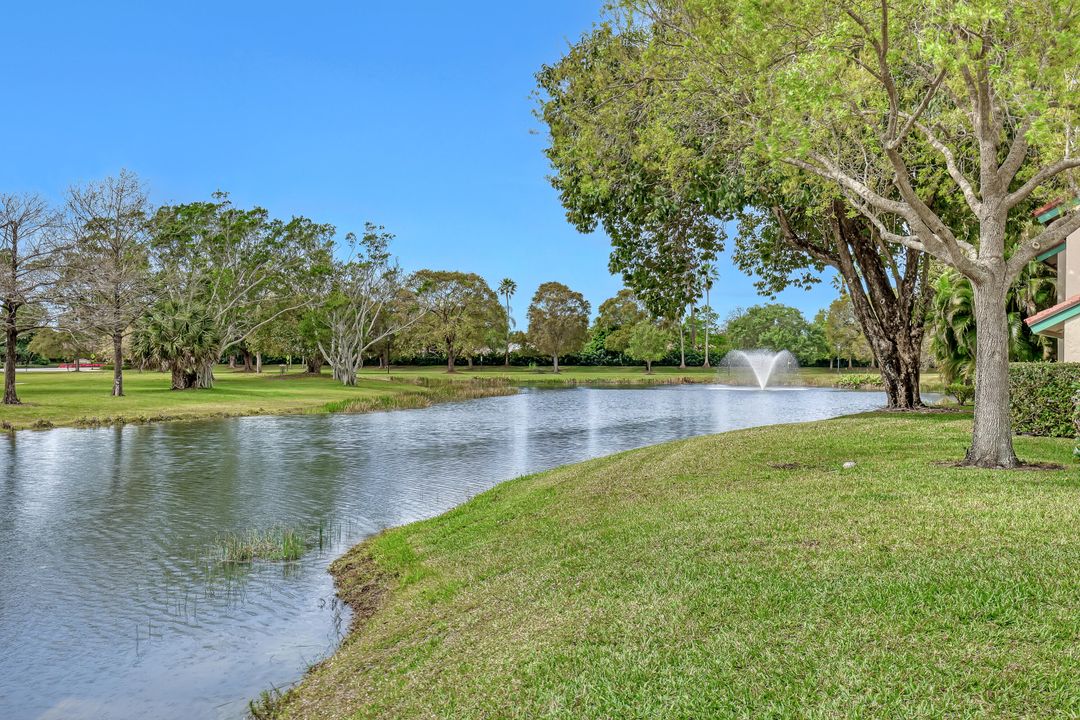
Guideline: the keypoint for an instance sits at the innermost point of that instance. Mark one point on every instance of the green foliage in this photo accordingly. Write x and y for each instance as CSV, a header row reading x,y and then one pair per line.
x,y
776,327
558,320
1042,398
648,343
460,307
857,381
963,392
952,320
180,337
617,317
1076,420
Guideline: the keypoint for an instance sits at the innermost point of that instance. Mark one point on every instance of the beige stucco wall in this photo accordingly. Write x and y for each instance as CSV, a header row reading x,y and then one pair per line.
x,y
1068,286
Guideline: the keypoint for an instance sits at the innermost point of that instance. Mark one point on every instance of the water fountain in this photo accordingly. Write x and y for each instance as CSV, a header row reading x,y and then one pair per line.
x,y
763,363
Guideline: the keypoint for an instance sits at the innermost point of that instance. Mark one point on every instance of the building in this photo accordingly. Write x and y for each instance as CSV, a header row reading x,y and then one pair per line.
x,y
1062,321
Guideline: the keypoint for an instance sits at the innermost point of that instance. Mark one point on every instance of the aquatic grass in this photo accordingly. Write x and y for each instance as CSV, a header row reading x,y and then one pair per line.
x,y
274,544
430,392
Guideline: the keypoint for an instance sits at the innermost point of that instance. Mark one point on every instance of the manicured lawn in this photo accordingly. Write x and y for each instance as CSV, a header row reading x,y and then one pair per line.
x,y
743,575
81,398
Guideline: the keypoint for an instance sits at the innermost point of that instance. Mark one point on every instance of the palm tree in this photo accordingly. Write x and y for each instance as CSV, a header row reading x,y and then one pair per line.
x,y
708,277
178,337
507,288
952,339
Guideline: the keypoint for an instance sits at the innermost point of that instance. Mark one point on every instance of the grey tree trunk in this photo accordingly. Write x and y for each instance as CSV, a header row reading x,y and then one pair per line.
x,y
11,333
682,348
555,361
204,376
992,441
258,362
707,315
118,365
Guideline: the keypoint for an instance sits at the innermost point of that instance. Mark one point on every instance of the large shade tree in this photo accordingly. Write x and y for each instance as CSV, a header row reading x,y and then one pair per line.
x,y
457,309
634,148
360,311
895,103
234,264
558,320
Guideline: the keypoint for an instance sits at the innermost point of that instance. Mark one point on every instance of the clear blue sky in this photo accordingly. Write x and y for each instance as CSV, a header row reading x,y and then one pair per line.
x,y
414,115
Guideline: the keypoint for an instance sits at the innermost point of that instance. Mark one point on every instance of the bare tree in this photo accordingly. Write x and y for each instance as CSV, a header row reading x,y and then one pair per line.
x,y
31,243
107,280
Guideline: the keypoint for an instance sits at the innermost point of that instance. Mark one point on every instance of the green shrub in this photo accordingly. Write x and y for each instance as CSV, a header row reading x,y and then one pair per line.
x,y
962,392
859,380
1041,398
1076,421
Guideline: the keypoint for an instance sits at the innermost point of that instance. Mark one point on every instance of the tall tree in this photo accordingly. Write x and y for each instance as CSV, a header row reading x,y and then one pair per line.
x,y
506,290
708,278
841,330
895,104
635,142
359,310
107,282
648,343
31,246
616,318
776,327
558,320
457,306
233,262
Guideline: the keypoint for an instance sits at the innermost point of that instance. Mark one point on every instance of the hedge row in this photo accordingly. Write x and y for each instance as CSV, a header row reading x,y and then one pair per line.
x,y
1043,398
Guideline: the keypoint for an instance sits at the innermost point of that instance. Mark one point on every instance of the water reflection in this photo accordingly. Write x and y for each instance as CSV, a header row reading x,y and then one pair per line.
x,y
108,608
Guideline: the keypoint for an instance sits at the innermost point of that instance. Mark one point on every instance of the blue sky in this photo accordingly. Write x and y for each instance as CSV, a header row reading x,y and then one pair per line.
x,y
416,115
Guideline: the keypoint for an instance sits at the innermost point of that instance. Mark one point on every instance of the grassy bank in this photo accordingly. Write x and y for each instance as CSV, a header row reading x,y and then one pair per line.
x,y
83,399
738,575
583,375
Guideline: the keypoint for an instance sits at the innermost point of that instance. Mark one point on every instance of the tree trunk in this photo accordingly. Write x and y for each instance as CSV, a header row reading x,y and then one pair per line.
x,y
555,361
232,362
470,361
314,363
889,300
648,367
118,365
258,362
204,376
450,357
693,327
11,333
682,348
248,367
708,314
991,442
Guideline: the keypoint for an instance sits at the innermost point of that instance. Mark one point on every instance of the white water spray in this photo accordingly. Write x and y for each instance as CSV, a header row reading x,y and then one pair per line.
x,y
763,363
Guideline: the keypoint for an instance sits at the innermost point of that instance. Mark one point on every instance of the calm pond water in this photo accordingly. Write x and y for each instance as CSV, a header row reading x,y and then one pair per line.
x,y
110,609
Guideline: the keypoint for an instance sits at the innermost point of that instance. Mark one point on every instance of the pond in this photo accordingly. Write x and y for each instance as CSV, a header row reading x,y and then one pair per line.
x,y
111,608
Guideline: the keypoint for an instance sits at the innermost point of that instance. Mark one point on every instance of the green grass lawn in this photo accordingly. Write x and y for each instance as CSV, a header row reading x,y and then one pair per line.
x,y
743,575
84,397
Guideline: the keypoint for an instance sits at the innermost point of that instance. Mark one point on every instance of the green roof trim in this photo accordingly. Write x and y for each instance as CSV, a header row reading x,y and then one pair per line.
x,y
1058,210
1056,319
1052,251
